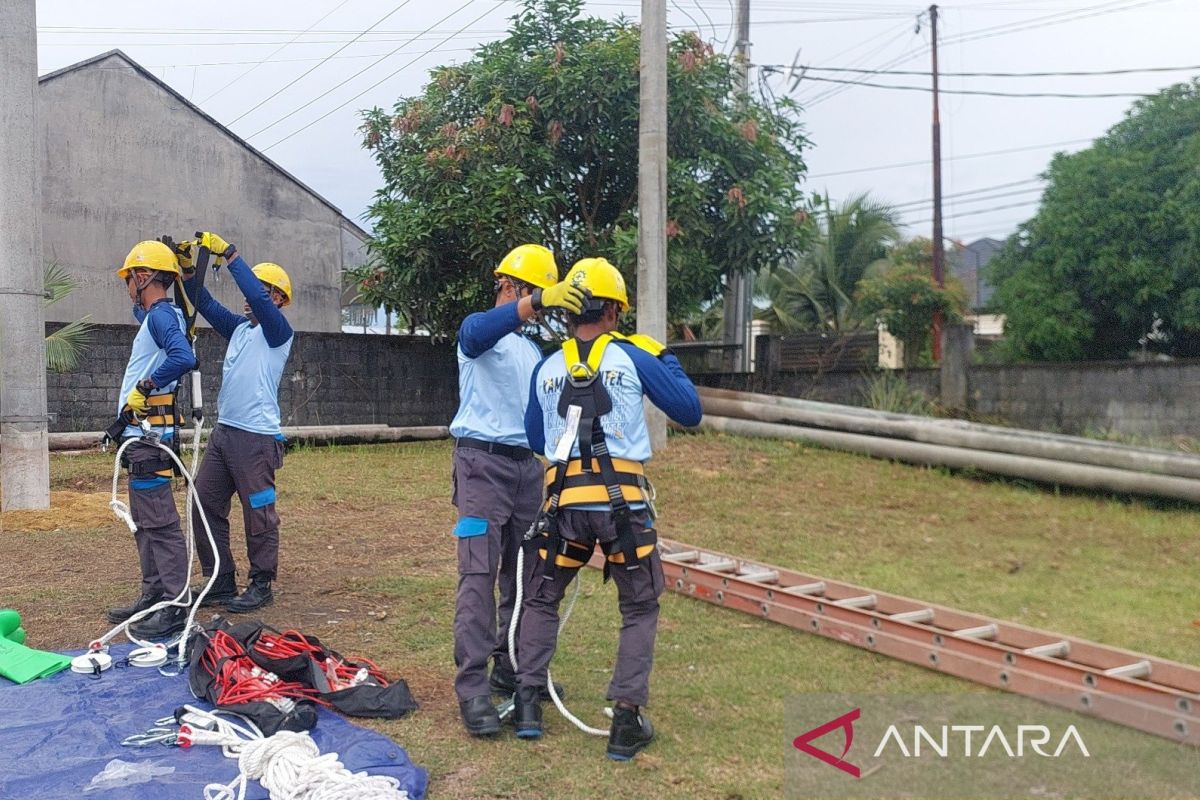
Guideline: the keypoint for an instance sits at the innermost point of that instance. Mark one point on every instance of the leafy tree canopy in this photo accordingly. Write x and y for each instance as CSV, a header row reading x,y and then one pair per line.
x,y
1114,250
814,291
905,299
535,139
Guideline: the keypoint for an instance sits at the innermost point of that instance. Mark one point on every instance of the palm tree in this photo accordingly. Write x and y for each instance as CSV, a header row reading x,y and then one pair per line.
x,y
816,290
66,345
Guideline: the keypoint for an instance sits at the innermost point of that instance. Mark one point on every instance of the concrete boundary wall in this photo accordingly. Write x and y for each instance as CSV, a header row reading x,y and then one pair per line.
x,y
352,379
1127,398
331,379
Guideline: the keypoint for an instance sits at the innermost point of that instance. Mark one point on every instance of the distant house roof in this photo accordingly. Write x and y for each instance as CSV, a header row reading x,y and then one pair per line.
x,y
348,223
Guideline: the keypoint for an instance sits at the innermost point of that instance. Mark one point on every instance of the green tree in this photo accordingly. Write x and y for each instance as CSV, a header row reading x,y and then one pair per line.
x,y
1114,249
815,290
536,138
905,298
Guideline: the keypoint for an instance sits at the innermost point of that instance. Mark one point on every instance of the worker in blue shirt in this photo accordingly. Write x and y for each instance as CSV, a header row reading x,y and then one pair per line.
x,y
246,446
586,412
497,483
160,356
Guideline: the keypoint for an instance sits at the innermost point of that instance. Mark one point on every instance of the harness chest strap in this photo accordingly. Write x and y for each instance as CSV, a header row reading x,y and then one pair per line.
x,y
596,477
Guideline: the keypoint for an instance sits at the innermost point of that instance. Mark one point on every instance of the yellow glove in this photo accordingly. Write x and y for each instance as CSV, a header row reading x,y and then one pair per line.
x,y
651,346
216,245
137,401
184,253
560,295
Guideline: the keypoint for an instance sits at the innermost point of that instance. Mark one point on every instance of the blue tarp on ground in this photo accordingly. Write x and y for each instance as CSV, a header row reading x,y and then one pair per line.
x,y
57,733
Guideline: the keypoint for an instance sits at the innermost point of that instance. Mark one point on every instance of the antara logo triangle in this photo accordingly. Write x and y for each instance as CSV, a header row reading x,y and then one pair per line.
x,y
803,742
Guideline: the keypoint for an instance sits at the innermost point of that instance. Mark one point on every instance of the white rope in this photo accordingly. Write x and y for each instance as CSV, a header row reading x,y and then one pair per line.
x,y
512,638
182,599
289,765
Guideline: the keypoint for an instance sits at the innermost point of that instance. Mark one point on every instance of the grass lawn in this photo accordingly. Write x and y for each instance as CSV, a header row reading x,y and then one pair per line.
x,y
368,564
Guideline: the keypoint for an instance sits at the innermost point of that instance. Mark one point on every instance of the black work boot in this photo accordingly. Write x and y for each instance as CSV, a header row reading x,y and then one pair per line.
x,y
479,716
630,732
118,615
503,681
527,712
223,591
257,595
161,624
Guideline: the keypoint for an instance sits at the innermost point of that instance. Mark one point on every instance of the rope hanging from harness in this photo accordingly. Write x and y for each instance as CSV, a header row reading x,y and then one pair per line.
x,y
595,477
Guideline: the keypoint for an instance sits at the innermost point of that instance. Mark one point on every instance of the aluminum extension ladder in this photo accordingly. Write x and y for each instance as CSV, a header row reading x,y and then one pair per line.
x,y
1150,694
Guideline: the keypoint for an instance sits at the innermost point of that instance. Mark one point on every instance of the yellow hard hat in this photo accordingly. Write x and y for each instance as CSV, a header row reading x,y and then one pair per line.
x,y
152,255
600,278
531,263
274,275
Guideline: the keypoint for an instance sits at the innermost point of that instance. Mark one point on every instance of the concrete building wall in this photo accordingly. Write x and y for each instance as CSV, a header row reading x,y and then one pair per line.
x,y
126,159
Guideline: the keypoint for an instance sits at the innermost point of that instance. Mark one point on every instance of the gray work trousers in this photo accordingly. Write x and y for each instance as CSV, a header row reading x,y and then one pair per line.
x,y
162,551
242,462
497,498
638,591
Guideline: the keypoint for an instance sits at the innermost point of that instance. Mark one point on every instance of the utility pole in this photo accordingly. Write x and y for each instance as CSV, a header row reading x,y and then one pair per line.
x,y
939,252
652,190
739,290
24,451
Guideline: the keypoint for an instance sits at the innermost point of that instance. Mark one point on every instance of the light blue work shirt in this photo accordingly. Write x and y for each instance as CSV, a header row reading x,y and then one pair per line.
x,y
494,367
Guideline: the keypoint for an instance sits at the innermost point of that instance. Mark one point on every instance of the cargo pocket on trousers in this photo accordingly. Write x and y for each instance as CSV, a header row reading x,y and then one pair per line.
x,y
471,533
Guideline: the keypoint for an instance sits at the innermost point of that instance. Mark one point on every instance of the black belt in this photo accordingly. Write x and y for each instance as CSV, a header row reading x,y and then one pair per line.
x,y
507,450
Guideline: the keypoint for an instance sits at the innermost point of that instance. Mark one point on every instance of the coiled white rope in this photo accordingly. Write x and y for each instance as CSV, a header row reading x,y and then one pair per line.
x,y
289,765
183,599
512,640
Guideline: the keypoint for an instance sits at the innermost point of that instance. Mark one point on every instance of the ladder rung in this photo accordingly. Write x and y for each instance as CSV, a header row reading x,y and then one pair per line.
x,y
1138,669
682,556
988,631
807,588
1057,649
717,565
916,615
865,601
761,576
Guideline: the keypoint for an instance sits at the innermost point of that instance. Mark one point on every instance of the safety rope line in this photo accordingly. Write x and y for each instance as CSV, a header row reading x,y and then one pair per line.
x,y
122,511
289,765
512,638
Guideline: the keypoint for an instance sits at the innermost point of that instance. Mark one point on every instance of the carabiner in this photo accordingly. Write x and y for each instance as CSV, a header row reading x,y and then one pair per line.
x,y
155,735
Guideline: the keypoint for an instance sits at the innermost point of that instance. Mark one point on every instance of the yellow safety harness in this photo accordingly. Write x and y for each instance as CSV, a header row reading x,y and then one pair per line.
x,y
594,477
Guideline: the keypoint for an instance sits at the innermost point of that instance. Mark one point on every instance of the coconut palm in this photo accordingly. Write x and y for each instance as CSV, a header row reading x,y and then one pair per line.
x,y
816,290
66,345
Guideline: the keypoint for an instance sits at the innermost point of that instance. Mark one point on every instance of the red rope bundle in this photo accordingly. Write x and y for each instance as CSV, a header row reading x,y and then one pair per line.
x,y
240,680
341,674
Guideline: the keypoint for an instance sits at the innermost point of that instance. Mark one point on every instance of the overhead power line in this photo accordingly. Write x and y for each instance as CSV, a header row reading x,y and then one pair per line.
x,y
385,78
926,162
925,73
969,193
923,207
310,70
274,53
978,92
1024,204
1001,30
468,34
1031,23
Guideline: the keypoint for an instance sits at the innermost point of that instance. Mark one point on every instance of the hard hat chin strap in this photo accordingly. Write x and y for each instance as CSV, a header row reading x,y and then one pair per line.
x,y
141,285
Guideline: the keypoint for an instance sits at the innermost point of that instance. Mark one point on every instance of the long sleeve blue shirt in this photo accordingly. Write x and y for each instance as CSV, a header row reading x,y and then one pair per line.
x,y
628,372
494,365
160,352
255,357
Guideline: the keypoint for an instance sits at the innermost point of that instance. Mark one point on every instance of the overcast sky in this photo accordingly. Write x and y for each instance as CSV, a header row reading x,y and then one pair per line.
x,y
237,59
